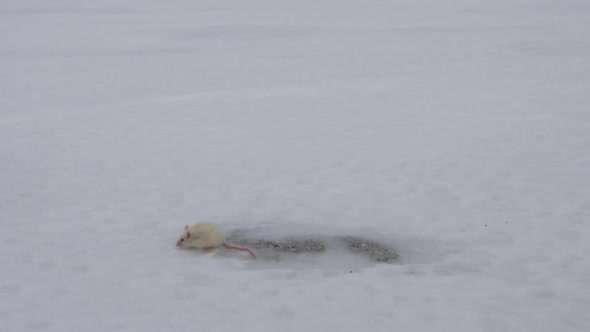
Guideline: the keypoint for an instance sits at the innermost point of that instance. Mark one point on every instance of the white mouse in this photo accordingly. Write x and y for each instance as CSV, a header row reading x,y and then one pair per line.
x,y
205,236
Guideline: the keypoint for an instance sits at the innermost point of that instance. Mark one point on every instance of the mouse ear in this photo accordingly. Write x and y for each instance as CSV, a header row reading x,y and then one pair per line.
x,y
188,234
185,227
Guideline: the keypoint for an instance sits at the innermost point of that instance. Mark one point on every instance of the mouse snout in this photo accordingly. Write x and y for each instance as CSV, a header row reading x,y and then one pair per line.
x,y
178,243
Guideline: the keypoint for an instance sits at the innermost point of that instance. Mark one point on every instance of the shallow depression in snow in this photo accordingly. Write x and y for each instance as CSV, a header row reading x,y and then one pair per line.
x,y
304,247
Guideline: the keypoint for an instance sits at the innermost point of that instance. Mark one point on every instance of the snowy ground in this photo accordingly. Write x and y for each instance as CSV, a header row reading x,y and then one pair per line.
x,y
457,131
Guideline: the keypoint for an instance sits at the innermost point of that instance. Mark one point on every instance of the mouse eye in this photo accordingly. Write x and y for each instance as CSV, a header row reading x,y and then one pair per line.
x,y
181,240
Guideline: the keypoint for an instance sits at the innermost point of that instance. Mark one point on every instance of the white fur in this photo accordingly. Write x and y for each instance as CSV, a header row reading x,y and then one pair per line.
x,y
202,235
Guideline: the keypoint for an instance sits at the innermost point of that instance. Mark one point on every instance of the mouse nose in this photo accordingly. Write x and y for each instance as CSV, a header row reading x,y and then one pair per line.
x,y
178,243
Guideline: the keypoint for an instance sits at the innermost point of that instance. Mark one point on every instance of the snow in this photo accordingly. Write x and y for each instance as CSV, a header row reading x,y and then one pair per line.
x,y
458,132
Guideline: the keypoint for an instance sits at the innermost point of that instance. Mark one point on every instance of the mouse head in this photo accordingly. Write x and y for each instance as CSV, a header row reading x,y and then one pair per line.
x,y
186,237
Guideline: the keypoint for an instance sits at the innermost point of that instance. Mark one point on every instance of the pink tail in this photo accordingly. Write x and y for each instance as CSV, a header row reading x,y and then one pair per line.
x,y
229,246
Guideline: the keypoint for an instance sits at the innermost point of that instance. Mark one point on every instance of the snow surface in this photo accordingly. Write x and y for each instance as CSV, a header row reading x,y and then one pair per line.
x,y
456,131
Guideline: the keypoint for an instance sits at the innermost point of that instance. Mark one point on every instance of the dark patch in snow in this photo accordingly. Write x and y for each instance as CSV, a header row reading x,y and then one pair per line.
x,y
375,251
